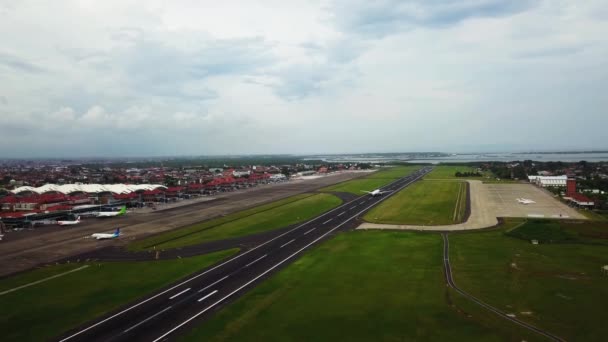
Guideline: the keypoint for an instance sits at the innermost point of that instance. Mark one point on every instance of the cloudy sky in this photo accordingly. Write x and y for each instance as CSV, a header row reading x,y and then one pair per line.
x,y
129,78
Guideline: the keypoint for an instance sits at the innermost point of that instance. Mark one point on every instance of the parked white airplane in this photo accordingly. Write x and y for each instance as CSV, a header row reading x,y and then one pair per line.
x,y
112,213
101,236
525,201
376,192
69,223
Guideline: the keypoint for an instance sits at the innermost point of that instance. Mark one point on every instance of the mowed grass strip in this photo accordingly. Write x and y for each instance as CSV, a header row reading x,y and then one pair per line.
x,y
395,172
556,286
359,286
373,181
183,232
260,219
422,203
449,171
461,203
46,310
358,186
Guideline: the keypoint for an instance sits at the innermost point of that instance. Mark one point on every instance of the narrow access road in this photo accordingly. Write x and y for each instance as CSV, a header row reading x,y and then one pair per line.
x,y
450,281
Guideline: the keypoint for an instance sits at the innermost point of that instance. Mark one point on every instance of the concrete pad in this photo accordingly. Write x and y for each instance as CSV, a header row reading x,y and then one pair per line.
x,y
504,202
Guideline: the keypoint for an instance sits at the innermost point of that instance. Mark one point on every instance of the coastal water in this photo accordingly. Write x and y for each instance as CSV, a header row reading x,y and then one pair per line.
x,y
507,157
466,157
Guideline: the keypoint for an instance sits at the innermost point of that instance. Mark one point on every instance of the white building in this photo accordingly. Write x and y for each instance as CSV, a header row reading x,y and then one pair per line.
x,y
278,177
546,181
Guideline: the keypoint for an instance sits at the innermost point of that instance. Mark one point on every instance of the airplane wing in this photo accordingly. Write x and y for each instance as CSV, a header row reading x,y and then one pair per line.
x,y
368,192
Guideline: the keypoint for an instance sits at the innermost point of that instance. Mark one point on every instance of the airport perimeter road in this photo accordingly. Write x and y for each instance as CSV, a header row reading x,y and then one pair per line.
x,y
164,315
450,281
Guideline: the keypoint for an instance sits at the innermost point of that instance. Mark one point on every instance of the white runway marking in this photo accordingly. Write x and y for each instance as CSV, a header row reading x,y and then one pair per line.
x,y
285,244
147,319
256,260
207,296
42,280
179,294
208,286
269,270
309,231
342,213
327,221
198,275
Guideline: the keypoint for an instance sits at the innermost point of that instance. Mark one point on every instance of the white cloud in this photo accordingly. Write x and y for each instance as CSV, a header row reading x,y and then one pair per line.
x,y
191,77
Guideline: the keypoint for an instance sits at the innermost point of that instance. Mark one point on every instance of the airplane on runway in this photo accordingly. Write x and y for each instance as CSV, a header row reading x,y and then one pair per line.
x,y
101,236
376,192
525,201
69,223
122,211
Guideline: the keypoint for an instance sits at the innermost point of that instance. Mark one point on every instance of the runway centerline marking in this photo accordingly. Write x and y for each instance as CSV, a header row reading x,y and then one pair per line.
x,y
207,296
147,319
342,213
181,293
310,231
256,260
198,275
327,221
285,244
215,282
273,267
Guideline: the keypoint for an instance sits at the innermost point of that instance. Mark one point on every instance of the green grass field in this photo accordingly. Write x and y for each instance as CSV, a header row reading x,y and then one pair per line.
x,y
449,171
594,215
551,231
43,311
359,286
356,186
395,172
274,215
423,203
557,286
373,181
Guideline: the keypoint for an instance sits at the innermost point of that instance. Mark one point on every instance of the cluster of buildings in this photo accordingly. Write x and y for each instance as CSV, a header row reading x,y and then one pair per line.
x,y
569,183
26,200
41,188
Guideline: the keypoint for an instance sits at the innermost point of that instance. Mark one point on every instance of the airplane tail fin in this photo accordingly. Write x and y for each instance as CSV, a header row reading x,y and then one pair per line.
x,y
123,210
78,219
117,232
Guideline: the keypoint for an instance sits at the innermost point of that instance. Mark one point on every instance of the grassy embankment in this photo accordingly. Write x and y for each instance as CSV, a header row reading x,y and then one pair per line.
x,y
373,181
557,285
46,310
423,203
359,286
274,215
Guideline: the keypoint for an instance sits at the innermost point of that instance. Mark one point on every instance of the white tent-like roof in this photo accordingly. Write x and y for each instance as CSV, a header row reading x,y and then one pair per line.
x,y
89,188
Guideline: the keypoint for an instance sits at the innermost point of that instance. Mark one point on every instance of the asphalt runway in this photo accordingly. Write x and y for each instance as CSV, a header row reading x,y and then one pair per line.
x,y
173,310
